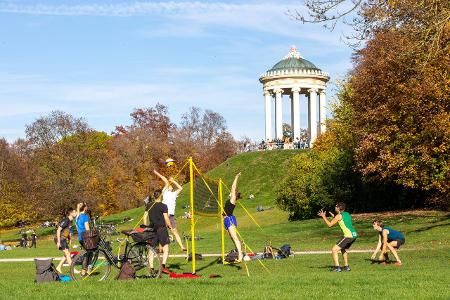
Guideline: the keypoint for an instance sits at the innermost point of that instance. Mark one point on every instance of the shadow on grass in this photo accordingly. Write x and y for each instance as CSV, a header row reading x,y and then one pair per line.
x,y
373,261
176,266
426,228
212,263
330,267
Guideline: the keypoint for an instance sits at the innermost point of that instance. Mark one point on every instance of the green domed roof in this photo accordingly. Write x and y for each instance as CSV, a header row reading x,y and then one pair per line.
x,y
293,61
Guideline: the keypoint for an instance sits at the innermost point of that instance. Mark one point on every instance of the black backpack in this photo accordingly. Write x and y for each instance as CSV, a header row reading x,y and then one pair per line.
x,y
232,256
126,272
285,251
198,256
45,271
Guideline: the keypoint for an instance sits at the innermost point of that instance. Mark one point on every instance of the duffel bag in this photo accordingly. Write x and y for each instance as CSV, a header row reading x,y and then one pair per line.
x,y
126,272
143,237
90,239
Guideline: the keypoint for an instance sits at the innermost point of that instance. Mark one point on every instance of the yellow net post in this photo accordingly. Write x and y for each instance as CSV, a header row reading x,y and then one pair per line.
x,y
191,196
221,221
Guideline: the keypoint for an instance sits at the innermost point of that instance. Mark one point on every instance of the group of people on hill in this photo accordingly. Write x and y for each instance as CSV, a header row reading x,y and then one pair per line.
x,y
389,240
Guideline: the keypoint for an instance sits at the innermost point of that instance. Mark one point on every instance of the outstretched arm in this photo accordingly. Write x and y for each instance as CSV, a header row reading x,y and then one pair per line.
x,y
234,188
385,242
164,179
179,187
329,223
378,248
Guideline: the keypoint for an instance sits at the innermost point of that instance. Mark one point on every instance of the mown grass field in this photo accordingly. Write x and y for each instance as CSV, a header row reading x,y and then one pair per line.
x,y
424,275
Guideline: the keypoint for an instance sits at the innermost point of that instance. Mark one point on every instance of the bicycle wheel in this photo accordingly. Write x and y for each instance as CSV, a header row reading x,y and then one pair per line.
x,y
145,260
98,266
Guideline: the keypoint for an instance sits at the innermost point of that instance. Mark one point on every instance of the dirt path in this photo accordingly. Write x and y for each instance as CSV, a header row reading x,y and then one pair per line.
x,y
10,260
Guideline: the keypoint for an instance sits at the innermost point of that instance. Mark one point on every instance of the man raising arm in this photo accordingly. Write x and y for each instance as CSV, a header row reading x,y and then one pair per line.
x,y
169,198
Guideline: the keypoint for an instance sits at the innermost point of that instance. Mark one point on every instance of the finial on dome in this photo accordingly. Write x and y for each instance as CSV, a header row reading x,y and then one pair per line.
x,y
293,53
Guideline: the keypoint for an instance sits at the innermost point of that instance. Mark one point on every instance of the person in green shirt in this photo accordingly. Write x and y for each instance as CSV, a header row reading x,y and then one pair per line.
x,y
344,220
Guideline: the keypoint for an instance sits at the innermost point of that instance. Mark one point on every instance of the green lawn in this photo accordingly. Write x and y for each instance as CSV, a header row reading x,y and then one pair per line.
x,y
424,276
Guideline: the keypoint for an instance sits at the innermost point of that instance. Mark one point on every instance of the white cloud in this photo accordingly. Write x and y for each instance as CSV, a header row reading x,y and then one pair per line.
x,y
193,19
124,9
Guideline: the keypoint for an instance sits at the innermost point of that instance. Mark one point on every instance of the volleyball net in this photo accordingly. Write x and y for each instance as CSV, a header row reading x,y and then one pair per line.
x,y
206,201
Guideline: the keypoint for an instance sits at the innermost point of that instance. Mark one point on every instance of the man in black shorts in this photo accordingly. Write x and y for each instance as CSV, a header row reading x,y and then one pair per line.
x,y
159,220
63,236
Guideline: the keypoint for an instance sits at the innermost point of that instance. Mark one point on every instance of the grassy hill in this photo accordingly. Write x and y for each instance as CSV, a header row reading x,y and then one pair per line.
x,y
262,173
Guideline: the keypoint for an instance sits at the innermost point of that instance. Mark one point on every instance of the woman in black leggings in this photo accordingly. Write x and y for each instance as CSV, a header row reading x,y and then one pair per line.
x,y
82,222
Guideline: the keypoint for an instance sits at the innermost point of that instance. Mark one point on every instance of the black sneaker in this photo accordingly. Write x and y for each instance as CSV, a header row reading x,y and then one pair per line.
x,y
346,269
336,269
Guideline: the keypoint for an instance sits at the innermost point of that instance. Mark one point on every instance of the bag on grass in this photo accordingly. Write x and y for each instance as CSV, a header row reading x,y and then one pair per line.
x,y
126,272
90,239
284,251
268,252
198,256
45,271
232,256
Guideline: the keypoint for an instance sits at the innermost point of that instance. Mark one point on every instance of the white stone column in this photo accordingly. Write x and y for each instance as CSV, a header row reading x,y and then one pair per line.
x,y
309,116
268,104
296,112
313,114
323,111
278,114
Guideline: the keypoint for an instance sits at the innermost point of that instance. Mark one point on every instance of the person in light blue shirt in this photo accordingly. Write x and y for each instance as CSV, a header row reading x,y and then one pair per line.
x,y
388,240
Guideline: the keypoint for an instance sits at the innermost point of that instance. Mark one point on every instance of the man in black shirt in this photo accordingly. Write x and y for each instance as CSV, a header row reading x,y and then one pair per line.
x,y
63,235
159,220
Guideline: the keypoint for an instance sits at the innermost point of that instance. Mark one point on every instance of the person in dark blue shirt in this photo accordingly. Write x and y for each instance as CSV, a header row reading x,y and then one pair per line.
x,y
388,240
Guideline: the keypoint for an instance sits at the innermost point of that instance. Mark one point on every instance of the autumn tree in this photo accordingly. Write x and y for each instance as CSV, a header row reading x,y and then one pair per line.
x,y
399,90
16,198
204,136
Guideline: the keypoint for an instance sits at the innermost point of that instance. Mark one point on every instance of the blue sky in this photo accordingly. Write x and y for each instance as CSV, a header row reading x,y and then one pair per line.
x,y
101,59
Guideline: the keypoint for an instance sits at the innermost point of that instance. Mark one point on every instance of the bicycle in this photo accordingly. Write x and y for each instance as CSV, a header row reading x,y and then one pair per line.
x,y
109,229
142,256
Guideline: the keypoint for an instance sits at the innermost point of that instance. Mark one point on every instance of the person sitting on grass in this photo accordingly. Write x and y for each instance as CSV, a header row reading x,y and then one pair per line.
x,y
169,198
229,220
344,220
62,237
159,221
388,240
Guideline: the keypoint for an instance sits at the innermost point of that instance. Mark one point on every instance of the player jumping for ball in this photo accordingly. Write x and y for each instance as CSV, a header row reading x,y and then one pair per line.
x,y
388,240
229,220
344,220
169,196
